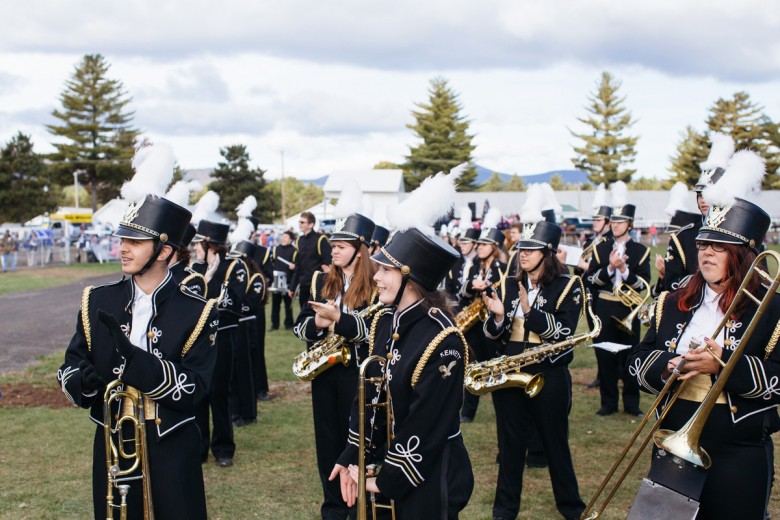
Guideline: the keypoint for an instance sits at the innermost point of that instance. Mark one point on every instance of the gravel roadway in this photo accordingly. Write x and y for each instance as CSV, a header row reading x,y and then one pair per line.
x,y
40,322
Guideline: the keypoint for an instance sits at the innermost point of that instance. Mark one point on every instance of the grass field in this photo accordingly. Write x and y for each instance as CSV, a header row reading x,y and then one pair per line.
x,y
41,278
45,462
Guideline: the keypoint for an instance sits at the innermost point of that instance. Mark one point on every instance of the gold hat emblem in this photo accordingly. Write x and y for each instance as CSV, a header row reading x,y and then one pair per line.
x,y
339,225
132,210
717,215
528,231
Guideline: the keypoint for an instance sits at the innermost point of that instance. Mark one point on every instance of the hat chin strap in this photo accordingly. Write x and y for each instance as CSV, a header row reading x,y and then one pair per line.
x,y
354,255
401,288
148,265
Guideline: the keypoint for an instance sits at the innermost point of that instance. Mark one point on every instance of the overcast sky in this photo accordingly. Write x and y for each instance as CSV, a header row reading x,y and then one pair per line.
x,y
333,83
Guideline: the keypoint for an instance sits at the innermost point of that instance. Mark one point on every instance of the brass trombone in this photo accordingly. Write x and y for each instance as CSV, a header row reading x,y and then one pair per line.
x,y
132,413
368,471
685,442
631,298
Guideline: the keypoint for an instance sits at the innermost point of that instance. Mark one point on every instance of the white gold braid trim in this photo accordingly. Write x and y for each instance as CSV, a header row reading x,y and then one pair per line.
x,y
391,258
85,315
725,232
140,228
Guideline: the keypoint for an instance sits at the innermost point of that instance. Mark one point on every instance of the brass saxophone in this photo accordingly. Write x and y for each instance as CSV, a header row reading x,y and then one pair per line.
x,y
473,312
505,371
326,352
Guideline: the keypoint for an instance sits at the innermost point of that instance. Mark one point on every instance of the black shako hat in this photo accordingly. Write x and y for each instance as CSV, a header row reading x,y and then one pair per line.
x,y
254,220
680,219
540,235
380,235
491,236
549,215
741,222
189,233
422,258
623,213
212,232
708,178
154,217
354,227
604,212
471,235
244,249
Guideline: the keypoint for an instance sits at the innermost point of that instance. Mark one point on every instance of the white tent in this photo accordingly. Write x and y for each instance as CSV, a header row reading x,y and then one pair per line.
x,y
110,214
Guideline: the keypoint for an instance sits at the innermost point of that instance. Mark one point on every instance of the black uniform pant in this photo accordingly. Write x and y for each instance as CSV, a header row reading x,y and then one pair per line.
x,y
516,414
484,349
175,475
445,492
257,346
613,367
218,402
736,484
276,304
243,403
332,393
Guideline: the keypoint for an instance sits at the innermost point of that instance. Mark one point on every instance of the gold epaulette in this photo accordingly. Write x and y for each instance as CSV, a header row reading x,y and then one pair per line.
x,y
659,309
679,250
770,347
372,330
431,348
572,281
314,277
204,316
262,277
85,315
193,276
644,257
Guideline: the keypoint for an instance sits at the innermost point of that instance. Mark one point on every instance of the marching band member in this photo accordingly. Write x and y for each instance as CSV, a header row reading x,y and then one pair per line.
x,y
156,338
484,273
739,426
283,257
613,264
179,266
335,299
312,254
542,303
458,275
425,468
227,281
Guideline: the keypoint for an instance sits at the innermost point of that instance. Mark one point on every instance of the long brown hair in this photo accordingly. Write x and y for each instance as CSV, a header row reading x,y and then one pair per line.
x,y
552,269
739,260
359,291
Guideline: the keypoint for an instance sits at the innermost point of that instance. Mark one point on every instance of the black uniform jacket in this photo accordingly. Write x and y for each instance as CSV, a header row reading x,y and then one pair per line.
x,y
608,239
192,280
229,285
598,277
754,385
491,275
266,263
553,317
426,357
255,296
285,253
313,252
682,259
175,374
351,327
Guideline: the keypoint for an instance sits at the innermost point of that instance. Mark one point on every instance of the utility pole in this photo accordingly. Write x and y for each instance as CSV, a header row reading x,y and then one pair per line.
x,y
284,209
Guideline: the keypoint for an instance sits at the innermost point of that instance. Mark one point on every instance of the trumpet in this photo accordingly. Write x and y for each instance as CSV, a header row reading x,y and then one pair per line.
x,y
327,352
631,298
473,312
505,371
684,445
587,252
133,414
367,471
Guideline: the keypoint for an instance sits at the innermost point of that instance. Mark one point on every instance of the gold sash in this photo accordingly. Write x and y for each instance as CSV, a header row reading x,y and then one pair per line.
x,y
697,388
518,332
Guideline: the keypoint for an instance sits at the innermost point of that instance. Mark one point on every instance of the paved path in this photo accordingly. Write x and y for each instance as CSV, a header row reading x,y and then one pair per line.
x,y
39,322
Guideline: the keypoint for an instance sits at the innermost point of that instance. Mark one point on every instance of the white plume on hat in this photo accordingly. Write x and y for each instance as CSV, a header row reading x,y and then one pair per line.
x,y
246,208
492,218
549,200
350,201
180,192
432,200
619,194
600,199
153,165
743,176
242,232
678,195
205,207
531,212
721,152
444,230
464,215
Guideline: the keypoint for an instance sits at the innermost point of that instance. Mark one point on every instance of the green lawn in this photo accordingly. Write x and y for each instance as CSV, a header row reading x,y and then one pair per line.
x,y
45,456
43,277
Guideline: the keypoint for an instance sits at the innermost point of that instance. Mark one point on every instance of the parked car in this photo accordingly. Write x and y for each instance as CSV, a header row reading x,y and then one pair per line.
x,y
577,224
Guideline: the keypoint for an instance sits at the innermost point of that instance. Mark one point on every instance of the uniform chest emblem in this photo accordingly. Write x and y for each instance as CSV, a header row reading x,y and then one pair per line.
x,y
446,370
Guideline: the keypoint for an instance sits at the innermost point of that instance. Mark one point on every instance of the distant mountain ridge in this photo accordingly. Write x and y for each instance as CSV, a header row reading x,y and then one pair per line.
x,y
203,175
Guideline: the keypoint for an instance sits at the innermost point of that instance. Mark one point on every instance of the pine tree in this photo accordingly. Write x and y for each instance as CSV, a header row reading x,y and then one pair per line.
x,y
235,180
556,182
745,121
606,151
24,182
692,150
387,165
494,183
515,183
445,139
97,133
